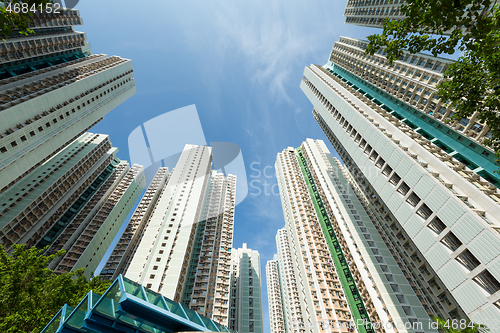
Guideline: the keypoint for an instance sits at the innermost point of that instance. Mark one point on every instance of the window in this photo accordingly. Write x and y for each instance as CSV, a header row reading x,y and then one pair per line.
x,y
424,211
451,241
387,171
23,138
3,150
488,282
13,144
413,199
32,133
468,260
395,179
437,225
380,162
403,189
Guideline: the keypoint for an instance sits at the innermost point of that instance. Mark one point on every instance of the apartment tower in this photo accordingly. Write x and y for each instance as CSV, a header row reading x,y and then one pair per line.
x,y
246,291
371,286
52,90
179,239
428,179
274,296
314,298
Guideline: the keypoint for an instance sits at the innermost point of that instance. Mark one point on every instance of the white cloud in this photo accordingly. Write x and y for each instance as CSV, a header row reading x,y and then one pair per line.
x,y
272,37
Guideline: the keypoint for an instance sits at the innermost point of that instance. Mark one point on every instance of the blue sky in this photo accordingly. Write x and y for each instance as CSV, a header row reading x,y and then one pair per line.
x,y
240,63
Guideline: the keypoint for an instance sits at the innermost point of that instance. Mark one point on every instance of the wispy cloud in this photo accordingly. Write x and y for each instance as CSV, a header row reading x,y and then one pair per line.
x,y
271,37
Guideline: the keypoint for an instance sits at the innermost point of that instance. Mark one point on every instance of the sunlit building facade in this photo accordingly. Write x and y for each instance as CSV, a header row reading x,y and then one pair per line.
x,y
372,13
313,295
52,90
90,233
178,242
129,241
430,180
365,274
274,296
246,291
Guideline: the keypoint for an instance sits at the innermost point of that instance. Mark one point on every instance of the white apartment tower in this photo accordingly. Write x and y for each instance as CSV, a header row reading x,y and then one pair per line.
x,y
363,280
246,291
53,90
314,299
179,240
276,318
430,181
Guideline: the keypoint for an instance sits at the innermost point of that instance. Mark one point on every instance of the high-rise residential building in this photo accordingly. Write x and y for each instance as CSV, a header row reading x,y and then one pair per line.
x,y
275,300
53,175
246,291
31,211
89,235
53,205
315,297
289,285
347,248
52,90
178,242
430,182
411,83
372,13
129,241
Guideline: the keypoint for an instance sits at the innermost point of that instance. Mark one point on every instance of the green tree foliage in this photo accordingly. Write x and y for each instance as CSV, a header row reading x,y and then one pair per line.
x,y
31,294
448,326
14,23
472,84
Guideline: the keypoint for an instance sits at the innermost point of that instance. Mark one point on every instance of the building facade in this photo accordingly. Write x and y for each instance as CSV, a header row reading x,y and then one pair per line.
x,y
314,298
274,296
372,13
178,242
429,181
52,90
362,270
129,241
246,291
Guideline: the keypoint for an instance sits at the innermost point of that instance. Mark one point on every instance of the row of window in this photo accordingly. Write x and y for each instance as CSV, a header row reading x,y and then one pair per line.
x,y
484,279
23,138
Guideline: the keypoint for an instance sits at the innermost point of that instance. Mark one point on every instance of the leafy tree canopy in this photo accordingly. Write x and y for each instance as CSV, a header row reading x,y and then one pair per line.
x,y
12,22
31,294
472,84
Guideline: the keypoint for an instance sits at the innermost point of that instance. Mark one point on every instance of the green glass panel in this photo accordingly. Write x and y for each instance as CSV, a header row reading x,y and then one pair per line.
x,y
134,289
221,327
174,307
149,329
109,302
69,309
209,324
95,299
129,321
193,316
54,325
155,299
78,315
